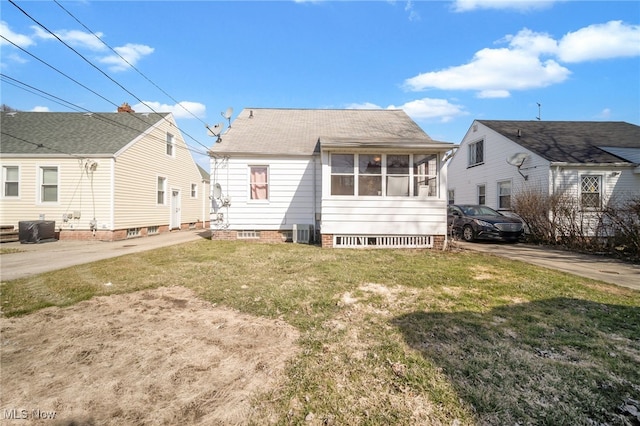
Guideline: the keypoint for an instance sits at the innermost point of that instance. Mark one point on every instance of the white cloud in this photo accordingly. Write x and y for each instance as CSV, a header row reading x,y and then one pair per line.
x,y
518,5
425,108
428,108
131,53
413,15
184,109
486,94
600,41
19,39
40,109
73,38
605,114
517,67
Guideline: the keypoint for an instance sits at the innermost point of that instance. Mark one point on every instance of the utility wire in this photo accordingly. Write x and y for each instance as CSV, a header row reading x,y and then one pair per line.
x,y
94,66
130,64
78,108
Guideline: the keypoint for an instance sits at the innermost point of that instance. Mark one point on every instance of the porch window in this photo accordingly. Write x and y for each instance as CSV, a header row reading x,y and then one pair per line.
x,y
398,175
194,190
591,192
476,153
49,184
451,196
384,175
259,182
504,194
370,174
342,174
425,175
482,197
161,190
11,181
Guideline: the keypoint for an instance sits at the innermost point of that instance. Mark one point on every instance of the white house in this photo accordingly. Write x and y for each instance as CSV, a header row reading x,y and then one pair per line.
x,y
104,176
595,162
353,178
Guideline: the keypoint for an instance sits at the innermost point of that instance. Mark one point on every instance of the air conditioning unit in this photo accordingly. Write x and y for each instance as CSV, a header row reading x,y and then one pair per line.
x,y
302,233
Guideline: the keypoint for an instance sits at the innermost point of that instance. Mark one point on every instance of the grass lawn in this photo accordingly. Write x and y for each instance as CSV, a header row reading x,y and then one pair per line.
x,y
400,336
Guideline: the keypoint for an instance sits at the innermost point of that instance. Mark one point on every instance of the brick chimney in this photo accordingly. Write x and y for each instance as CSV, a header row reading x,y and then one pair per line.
x,y
125,107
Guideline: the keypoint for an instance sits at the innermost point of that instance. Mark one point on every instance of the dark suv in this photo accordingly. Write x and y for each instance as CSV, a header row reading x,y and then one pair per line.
x,y
474,222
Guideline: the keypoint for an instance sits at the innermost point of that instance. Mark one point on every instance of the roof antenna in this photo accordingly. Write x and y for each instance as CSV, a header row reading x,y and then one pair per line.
x,y
538,117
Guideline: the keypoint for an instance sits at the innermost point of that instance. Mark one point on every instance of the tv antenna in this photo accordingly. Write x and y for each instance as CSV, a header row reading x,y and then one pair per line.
x,y
539,105
227,115
517,160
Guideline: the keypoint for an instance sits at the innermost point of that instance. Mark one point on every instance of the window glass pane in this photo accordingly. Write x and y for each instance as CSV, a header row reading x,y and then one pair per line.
x,y
398,186
590,188
370,185
49,176
49,193
11,174
370,164
342,185
342,163
504,195
258,183
397,164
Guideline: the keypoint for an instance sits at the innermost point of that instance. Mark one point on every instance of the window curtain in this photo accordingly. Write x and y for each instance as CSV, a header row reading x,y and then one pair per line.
x,y
259,188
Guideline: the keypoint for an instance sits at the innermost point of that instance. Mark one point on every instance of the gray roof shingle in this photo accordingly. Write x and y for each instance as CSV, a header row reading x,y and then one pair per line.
x,y
581,142
71,133
298,131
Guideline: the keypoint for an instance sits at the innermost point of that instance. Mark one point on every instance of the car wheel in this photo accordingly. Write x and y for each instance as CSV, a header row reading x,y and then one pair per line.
x,y
468,234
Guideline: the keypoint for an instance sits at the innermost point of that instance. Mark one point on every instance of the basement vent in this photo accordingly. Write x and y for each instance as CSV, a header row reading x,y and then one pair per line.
x,y
383,241
302,233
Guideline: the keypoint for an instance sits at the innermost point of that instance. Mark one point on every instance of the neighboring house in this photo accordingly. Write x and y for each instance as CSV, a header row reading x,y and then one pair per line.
x,y
593,162
103,176
352,178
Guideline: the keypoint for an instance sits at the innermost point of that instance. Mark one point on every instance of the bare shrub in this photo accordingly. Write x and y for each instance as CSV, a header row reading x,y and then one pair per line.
x,y
558,219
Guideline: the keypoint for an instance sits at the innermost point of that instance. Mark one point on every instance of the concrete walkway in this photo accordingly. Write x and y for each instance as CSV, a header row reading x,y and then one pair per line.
x,y
595,267
48,256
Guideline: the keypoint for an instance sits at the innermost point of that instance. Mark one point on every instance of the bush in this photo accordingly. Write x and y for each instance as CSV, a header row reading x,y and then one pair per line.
x,y
558,219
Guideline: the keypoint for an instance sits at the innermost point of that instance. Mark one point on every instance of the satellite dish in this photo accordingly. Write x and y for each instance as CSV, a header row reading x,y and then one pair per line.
x,y
215,130
217,191
517,159
227,114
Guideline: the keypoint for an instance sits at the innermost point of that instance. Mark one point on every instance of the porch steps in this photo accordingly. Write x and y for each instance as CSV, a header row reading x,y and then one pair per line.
x,y
8,234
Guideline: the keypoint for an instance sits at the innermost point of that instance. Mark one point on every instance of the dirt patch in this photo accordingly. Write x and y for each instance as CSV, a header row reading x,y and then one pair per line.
x,y
160,356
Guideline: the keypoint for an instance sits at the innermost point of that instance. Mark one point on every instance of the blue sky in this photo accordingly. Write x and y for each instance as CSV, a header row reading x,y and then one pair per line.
x,y
445,63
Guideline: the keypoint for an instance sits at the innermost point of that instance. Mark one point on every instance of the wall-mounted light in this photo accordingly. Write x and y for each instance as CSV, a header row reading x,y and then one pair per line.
x,y
614,174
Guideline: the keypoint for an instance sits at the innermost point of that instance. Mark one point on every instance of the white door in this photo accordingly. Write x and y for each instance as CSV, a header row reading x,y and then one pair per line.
x,y
175,209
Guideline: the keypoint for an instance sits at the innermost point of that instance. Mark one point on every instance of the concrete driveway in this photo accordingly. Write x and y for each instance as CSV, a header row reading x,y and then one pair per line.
x,y
595,267
49,256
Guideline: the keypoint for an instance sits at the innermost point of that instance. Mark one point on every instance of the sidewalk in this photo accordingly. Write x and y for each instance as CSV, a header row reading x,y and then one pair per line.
x,y
48,256
590,266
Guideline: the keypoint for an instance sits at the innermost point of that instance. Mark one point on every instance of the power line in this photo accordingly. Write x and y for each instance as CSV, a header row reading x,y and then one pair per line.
x,y
130,64
95,66
78,108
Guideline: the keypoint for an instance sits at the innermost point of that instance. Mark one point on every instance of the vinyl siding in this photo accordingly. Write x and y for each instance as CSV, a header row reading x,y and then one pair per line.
x,y
291,181
137,169
78,191
464,180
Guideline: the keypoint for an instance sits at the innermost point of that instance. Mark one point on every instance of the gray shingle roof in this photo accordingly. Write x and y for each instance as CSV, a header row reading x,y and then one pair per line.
x,y
297,131
58,133
583,142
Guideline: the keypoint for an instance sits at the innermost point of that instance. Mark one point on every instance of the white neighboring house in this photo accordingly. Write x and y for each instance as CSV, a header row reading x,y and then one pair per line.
x,y
103,176
593,161
353,178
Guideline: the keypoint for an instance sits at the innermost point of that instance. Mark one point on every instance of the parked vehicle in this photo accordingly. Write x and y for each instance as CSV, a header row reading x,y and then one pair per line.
x,y
475,222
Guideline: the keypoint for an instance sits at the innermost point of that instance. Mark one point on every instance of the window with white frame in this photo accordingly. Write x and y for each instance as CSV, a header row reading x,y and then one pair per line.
x,y
342,174
591,191
194,190
170,144
386,175
504,194
48,184
482,197
10,181
161,190
259,182
476,153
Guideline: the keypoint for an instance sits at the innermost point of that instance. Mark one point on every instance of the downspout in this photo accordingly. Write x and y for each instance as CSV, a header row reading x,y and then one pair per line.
x,y
315,194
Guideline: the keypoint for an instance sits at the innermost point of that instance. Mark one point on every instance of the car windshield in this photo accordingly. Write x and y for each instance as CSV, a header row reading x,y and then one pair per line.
x,y
479,211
